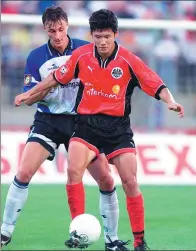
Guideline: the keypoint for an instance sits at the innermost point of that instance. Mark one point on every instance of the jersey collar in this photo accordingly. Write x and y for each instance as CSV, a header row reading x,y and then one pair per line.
x,y
104,64
54,52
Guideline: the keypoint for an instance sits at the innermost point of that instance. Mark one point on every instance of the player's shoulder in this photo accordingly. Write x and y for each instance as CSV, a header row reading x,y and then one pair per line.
x,y
84,49
127,55
38,54
76,43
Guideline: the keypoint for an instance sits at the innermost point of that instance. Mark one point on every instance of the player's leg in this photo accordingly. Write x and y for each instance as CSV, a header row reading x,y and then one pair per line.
x,y
40,146
33,156
80,154
108,203
127,167
109,209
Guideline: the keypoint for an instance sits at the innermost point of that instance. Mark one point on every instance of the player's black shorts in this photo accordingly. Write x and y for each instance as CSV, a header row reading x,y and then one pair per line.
x,y
112,145
51,130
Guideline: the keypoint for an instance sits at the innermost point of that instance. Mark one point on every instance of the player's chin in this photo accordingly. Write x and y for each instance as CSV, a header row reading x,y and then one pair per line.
x,y
104,50
58,44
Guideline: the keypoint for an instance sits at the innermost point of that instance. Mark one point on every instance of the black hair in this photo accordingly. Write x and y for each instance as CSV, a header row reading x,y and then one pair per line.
x,y
53,14
103,19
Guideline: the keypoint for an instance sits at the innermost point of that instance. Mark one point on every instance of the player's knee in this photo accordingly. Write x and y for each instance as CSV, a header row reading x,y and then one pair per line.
x,y
130,183
74,175
24,175
106,182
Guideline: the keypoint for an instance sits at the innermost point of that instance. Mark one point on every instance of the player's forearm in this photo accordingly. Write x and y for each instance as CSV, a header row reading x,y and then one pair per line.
x,y
36,97
166,96
45,84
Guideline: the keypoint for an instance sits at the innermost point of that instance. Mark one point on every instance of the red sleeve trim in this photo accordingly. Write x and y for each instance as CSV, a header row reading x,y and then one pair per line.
x,y
54,76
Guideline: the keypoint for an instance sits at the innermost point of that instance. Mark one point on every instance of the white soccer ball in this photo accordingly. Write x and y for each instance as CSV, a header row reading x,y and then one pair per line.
x,y
85,228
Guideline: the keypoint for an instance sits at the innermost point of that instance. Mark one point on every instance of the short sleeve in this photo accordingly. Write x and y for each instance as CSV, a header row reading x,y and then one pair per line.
x,y
31,74
147,79
65,73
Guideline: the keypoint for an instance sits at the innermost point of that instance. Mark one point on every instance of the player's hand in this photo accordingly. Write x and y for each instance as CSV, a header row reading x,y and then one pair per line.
x,y
176,108
19,99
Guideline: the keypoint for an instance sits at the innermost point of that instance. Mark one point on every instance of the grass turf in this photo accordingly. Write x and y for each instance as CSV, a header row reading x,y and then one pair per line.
x,y
44,222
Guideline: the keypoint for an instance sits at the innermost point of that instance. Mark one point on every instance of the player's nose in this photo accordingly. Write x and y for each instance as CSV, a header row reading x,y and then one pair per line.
x,y
103,41
57,36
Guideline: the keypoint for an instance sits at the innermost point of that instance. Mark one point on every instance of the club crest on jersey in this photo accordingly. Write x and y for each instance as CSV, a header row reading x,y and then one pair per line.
x,y
63,70
117,72
27,79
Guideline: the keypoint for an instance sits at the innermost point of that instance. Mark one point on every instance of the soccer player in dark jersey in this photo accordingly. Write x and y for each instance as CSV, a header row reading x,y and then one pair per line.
x,y
53,125
108,73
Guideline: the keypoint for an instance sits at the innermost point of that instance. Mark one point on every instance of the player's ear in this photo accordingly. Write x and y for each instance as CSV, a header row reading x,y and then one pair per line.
x,y
67,27
115,34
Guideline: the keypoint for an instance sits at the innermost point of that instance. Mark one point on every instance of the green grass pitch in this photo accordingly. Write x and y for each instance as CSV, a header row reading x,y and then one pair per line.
x,y
44,222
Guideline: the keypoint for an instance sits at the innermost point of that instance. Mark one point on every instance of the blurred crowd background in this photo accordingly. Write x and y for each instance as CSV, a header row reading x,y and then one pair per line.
x,y
171,53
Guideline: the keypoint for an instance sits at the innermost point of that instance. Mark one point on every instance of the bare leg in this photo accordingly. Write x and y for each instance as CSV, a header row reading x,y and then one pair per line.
x,y
33,156
108,204
79,156
127,168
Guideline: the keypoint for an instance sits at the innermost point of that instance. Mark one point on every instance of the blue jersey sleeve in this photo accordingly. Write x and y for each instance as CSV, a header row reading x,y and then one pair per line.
x,y
31,73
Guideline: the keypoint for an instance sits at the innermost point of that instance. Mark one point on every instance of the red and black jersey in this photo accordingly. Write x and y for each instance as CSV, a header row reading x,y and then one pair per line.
x,y
108,85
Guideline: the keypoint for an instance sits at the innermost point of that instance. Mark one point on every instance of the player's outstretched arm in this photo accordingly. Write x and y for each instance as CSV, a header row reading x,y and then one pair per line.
x,y
45,84
152,84
62,75
37,97
168,98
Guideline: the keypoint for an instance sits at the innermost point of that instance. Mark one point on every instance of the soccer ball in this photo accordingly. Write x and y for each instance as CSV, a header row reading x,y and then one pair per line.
x,y
85,228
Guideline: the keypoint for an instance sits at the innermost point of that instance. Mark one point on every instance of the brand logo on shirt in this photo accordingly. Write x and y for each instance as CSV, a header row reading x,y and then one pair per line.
x,y
71,84
53,67
88,84
116,89
27,79
90,68
93,92
117,72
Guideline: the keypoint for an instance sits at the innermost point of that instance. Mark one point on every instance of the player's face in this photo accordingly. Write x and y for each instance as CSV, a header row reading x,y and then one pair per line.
x,y
57,33
104,41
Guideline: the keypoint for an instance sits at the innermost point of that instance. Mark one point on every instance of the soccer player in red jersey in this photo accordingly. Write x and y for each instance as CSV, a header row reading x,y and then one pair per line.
x,y
108,73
